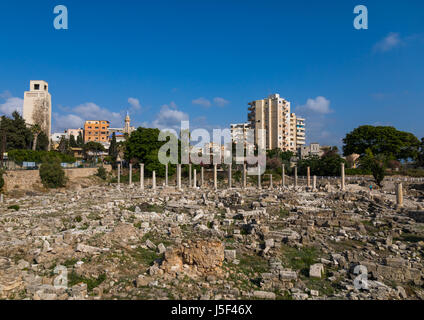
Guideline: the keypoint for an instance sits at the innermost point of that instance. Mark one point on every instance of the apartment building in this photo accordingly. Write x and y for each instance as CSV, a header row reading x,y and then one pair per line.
x,y
239,132
74,132
300,132
283,130
97,131
297,132
314,149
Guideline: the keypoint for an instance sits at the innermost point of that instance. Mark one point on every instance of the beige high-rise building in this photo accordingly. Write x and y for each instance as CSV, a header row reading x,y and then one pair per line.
x,y
297,132
281,127
38,106
300,132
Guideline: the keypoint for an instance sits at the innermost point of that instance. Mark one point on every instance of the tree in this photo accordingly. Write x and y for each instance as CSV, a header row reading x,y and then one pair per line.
x,y
274,153
64,146
40,114
274,163
328,165
278,153
94,147
42,142
113,150
420,161
72,141
35,130
144,145
80,140
381,140
17,134
376,165
287,155
330,151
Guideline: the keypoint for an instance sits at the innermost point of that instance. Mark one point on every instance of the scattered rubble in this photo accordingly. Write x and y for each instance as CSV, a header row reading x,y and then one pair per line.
x,y
105,242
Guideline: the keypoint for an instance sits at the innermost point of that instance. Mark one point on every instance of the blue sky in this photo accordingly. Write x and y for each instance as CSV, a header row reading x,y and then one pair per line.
x,y
164,61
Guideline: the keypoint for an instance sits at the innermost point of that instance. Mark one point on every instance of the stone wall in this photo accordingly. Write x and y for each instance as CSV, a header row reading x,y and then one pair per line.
x,y
27,179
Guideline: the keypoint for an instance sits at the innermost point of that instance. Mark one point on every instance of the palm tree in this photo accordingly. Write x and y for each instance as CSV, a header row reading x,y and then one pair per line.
x,y
36,130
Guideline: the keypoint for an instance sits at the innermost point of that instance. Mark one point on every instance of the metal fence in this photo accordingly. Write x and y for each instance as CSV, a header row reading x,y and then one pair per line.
x,y
13,166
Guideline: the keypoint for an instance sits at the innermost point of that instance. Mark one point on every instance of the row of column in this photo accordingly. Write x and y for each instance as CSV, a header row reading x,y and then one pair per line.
x,y
193,181
399,188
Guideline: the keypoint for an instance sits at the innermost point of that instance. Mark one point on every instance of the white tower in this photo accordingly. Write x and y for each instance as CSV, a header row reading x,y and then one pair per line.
x,y
38,106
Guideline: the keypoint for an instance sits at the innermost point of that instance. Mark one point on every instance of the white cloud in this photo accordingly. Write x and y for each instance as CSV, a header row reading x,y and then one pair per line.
x,y
91,111
11,104
220,102
319,105
391,41
6,94
202,102
169,117
318,124
75,117
134,103
64,122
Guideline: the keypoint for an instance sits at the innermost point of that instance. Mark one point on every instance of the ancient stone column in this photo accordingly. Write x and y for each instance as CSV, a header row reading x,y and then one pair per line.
x,y
166,175
309,177
399,195
315,182
230,173
179,176
202,177
283,175
189,175
154,180
142,176
270,181
259,177
119,174
215,176
343,177
295,177
194,178
130,173
244,176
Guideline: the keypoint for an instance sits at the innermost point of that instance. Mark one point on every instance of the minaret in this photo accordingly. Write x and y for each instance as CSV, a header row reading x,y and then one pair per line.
x,y
127,124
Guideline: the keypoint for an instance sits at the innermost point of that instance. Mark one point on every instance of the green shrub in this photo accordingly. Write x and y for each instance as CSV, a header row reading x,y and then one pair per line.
x,y
91,283
52,175
379,172
14,207
358,172
101,173
20,156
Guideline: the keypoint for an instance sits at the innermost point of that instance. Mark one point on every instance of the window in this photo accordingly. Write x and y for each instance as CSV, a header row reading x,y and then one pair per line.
x,y
36,87
45,88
